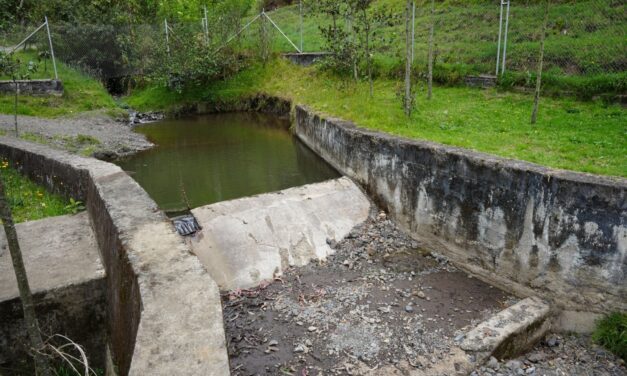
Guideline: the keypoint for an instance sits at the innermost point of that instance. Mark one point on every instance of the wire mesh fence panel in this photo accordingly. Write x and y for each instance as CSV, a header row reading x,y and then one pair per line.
x,y
465,38
584,38
34,52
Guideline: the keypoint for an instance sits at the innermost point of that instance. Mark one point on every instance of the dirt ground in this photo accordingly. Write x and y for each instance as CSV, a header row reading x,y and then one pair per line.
x,y
381,301
114,138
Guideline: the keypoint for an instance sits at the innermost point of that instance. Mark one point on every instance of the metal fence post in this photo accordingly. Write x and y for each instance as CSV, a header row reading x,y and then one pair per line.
x,y
167,37
498,48
301,24
413,30
505,38
54,63
206,21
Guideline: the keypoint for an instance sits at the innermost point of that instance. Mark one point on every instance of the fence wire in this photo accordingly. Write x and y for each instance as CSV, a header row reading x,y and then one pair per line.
x,y
584,38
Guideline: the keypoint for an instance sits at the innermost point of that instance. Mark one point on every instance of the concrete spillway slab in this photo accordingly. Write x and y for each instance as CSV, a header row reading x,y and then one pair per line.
x,y
58,252
246,241
67,279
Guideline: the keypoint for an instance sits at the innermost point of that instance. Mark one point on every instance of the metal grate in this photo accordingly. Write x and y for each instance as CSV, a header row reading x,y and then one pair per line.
x,y
186,225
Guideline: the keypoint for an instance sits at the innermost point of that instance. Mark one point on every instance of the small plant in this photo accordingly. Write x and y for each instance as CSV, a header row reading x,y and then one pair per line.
x,y
611,333
74,206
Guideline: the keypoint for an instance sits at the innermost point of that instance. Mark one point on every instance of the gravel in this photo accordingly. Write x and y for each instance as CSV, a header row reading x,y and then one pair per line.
x,y
115,138
558,356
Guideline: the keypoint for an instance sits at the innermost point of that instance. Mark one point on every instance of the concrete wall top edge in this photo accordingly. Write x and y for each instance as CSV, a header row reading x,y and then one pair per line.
x,y
488,160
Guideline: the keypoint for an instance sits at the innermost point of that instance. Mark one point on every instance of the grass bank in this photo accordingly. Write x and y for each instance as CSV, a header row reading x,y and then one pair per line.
x,y
580,136
82,93
30,201
584,52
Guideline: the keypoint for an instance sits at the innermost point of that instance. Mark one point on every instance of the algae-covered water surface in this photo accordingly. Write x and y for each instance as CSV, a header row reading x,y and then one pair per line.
x,y
205,159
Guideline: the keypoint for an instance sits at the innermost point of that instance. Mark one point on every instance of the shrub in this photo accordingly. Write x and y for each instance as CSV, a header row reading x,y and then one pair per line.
x,y
611,333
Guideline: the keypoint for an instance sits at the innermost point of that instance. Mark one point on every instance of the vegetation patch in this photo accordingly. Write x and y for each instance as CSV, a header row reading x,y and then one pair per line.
x,y
82,93
30,201
465,42
572,135
611,333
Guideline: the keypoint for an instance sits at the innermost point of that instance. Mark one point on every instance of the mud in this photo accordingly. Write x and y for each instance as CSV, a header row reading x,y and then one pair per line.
x,y
379,301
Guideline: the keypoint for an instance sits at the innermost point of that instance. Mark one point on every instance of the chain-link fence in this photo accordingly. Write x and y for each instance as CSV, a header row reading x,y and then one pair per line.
x,y
584,38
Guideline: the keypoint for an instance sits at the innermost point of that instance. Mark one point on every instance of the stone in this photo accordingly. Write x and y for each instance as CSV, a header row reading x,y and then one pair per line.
x,y
409,309
493,363
552,341
511,331
536,357
513,364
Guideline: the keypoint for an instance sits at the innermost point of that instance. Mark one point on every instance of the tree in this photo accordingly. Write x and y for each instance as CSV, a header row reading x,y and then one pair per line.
x,y
339,40
12,67
369,26
408,97
536,99
28,306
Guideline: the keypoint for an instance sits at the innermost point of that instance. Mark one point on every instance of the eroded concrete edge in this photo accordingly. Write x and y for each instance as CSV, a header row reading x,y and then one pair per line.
x,y
246,241
164,311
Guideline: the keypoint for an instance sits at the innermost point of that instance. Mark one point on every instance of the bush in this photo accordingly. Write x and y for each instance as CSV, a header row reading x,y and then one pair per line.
x,y
611,333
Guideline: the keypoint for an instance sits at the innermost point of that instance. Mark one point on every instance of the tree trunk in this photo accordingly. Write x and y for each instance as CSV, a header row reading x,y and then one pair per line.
x,y
17,93
536,99
431,48
352,36
407,100
32,327
368,57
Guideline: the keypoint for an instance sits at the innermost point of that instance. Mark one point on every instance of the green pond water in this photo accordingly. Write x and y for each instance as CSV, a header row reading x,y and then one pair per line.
x,y
206,159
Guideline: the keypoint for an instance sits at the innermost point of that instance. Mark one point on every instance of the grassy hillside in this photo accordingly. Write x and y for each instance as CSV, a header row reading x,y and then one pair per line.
x,y
581,136
586,51
82,93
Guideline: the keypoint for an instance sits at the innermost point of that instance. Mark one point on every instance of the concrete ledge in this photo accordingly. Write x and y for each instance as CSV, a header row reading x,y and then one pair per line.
x,y
483,81
68,283
306,58
248,240
33,87
164,314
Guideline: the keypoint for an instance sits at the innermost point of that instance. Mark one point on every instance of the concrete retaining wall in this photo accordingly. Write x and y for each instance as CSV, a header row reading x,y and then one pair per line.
x,y
306,58
33,87
524,227
164,312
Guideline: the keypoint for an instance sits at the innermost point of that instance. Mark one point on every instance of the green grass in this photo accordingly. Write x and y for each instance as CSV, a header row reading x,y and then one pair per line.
x,y
80,144
466,34
81,94
611,333
30,201
580,136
